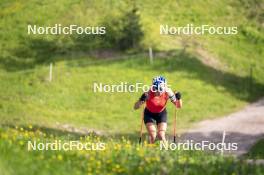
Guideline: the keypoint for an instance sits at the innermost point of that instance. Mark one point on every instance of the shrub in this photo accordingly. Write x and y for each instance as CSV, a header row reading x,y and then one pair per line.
x,y
124,33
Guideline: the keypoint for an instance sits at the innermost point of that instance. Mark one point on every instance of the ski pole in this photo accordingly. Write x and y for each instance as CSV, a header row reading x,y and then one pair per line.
x,y
141,128
174,125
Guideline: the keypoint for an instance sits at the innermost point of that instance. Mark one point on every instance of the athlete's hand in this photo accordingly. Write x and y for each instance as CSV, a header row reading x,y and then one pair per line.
x,y
143,97
138,104
178,95
178,103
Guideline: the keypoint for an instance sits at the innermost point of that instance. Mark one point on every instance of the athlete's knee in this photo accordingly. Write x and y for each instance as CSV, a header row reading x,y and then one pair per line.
x,y
152,133
161,134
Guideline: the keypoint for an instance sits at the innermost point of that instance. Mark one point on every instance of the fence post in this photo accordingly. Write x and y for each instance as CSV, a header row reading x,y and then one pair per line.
x,y
223,142
50,72
150,55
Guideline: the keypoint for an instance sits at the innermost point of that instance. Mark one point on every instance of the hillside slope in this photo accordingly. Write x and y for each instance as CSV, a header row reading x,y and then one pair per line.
x,y
209,90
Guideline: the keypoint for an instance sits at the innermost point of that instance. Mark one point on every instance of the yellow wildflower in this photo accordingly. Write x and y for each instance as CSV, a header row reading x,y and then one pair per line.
x,y
60,157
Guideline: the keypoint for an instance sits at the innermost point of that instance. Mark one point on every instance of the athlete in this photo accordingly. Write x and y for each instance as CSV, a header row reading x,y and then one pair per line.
x,y
155,111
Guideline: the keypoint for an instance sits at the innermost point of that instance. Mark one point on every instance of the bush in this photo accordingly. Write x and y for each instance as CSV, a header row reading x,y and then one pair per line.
x,y
124,33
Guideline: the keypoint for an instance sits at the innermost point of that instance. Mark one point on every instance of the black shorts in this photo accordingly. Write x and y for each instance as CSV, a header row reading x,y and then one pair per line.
x,y
150,117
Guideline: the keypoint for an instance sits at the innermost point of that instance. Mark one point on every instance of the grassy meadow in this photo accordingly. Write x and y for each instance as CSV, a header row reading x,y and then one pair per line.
x,y
217,75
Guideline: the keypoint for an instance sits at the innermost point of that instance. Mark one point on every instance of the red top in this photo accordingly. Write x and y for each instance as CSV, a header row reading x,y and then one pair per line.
x,y
156,104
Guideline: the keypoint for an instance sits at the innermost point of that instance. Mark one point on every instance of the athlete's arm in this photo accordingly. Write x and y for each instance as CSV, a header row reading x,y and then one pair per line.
x,y
171,95
141,101
175,98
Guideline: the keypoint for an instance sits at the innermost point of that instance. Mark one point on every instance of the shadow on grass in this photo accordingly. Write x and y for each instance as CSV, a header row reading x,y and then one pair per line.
x,y
38,51
245,88
47,130
60,132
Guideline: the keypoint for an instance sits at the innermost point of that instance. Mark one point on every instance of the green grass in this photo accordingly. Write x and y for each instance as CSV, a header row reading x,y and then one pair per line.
x,y
28,98
69,98
256,151
208,92
121,156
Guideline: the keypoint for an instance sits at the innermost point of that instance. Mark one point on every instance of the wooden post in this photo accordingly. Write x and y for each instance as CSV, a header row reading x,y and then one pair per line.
x,y
223,142
150,55
50,72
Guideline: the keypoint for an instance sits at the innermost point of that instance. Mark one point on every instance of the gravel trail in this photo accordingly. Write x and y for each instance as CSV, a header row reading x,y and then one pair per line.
x,y
244,127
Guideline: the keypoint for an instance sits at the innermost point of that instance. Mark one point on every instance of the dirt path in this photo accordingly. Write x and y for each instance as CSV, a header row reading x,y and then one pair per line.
x,y
244,127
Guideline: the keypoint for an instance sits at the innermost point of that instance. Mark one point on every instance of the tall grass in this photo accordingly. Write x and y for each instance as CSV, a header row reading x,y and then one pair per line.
x,y
119,157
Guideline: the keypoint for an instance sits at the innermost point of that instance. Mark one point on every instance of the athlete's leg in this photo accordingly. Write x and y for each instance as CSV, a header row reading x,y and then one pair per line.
x,y
162,127
152,131
149,122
